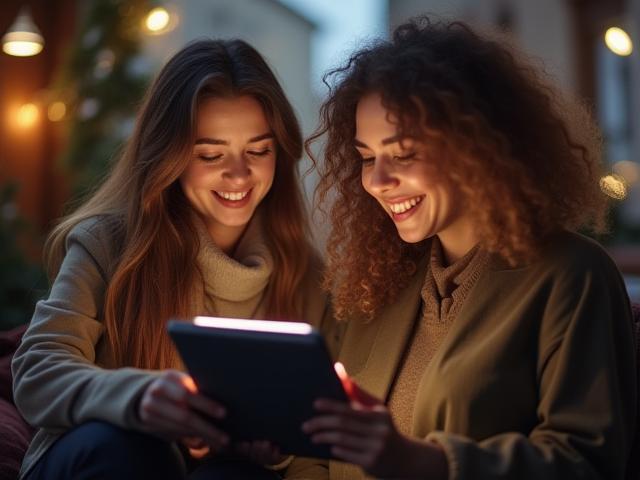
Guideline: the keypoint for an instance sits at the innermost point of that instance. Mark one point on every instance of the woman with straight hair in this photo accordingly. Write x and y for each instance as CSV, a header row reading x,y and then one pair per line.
x,y
202,214
496,339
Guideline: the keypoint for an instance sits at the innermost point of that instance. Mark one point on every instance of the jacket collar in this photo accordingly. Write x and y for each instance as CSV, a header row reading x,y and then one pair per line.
x,y
376,347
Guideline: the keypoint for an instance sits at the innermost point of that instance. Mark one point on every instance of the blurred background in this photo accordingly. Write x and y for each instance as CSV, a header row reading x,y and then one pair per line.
x,y
72,73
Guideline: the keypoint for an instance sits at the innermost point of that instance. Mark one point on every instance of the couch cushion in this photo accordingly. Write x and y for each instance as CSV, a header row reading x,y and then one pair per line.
x,y
9,341
15,436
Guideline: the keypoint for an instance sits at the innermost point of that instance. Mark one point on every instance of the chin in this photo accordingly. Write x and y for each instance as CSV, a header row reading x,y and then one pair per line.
x,y
413,236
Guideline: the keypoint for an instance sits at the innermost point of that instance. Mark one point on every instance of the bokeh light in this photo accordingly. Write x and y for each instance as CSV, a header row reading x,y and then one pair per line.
x,y
27,115
618,41
628,170
56,111
157,20
614,186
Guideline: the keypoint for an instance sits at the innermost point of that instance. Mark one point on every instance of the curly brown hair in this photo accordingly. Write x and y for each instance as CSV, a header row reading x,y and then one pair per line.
x,y
525,159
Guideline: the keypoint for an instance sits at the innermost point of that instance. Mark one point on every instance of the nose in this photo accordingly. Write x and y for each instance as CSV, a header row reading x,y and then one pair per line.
x,y
237,170
382,176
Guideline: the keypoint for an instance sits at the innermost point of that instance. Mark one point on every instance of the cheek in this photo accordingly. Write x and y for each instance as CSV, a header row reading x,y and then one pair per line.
x,y
266,171
365,177
196,176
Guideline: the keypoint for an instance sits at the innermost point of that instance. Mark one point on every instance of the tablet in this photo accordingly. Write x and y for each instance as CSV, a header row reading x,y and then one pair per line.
x,y
267,374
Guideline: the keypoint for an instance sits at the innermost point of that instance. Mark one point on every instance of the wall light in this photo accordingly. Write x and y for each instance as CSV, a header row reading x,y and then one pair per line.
x,y
23,39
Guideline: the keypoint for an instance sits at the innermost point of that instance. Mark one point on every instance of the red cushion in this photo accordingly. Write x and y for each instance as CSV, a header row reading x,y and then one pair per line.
x,y
9,341
15,436
15,433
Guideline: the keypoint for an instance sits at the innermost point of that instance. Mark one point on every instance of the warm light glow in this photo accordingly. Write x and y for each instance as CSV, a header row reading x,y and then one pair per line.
x,y
341,371
27,115
628,170
157,20
21,48
56,111
295,328
190,384
614,186
346,382
618,41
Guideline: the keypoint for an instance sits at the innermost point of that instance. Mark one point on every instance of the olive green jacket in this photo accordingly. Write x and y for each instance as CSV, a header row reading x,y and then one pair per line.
x,y
535,380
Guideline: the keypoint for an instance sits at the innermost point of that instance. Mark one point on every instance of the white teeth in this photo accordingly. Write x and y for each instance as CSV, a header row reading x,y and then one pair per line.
x,y
402,207
233,196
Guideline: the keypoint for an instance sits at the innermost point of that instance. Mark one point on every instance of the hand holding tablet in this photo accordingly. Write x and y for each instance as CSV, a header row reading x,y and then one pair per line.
x,y
266,374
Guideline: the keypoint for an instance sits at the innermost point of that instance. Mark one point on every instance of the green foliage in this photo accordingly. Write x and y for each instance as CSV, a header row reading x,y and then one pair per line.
x,y
102,82
21,281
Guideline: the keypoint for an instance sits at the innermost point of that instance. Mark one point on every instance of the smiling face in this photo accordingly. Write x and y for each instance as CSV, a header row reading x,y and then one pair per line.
x,y
404,179
232,167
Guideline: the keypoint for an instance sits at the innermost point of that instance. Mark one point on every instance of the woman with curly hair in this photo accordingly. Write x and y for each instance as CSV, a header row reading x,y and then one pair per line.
x,y
496,339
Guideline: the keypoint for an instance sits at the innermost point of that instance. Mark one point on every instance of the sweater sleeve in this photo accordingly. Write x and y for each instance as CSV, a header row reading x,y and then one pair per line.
x,y
586,385
56,382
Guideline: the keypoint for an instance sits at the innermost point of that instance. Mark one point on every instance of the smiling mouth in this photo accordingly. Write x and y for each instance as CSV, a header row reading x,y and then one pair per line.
x,y
232,196
399,208
233,199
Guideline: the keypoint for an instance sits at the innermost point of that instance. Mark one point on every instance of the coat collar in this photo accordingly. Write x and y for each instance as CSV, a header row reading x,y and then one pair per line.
x,y
376,347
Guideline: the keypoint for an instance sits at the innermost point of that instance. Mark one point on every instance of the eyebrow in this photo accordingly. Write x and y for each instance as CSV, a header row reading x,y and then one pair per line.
x,y
217,141
386,141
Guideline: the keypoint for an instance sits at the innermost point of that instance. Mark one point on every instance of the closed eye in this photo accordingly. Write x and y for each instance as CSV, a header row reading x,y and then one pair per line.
x,y
367,159
210,158
260,153
408,156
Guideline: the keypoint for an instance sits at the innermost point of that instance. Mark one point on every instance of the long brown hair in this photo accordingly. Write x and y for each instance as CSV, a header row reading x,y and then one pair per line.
x,y
525,160
155,269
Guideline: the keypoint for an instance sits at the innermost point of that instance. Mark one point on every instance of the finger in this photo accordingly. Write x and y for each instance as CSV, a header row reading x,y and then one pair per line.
x,y
377,413
356,443
169,388
190,422
206,406
351,456
165,429
193,442
201,452
344,423
264,452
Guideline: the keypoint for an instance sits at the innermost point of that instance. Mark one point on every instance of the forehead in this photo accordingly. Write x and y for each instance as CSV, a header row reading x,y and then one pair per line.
x,y
373,120
231,116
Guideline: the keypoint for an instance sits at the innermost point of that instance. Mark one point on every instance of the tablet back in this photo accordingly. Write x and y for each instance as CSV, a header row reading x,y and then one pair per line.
x,y
266,380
